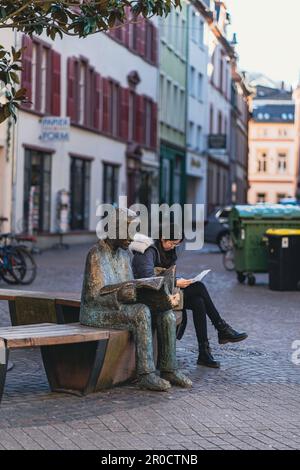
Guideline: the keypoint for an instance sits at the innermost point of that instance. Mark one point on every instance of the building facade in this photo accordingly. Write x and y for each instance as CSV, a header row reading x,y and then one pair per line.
x,y
108,86
272,146
197,94
218,118
239,148
172,105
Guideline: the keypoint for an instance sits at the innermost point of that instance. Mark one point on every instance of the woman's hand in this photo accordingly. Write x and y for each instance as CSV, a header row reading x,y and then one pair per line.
x,y
183,283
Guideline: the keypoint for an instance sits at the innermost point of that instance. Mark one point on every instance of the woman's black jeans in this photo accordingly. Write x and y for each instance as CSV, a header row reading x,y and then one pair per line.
x,y
197,299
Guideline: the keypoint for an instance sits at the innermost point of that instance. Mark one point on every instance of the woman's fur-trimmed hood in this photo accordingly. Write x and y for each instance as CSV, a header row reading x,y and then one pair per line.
x,y
140,243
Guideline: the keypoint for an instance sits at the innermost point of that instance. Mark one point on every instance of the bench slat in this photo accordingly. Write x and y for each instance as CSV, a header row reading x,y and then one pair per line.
x,y
50,334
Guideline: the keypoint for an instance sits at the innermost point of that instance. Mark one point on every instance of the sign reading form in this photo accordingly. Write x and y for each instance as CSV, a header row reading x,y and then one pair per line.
x,y
55,129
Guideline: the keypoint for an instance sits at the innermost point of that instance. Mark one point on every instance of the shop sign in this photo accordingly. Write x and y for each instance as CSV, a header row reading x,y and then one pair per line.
x,y
55,129
194,165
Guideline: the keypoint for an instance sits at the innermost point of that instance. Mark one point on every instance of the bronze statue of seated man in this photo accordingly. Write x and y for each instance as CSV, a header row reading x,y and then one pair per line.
x,y
110,301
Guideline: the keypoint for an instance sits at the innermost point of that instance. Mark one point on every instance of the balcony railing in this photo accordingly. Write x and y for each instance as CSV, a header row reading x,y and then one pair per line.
x,y
217,141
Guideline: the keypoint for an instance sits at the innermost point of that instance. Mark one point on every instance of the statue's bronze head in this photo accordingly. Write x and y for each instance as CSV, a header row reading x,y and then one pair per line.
x,y
122,219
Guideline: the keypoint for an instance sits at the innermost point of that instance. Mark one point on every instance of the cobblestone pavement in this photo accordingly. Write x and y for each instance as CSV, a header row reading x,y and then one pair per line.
x,y
252,402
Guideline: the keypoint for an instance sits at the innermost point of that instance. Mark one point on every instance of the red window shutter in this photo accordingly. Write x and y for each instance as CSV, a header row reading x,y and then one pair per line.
x,y
88,95
154,125
124,113
154,46
142,36
71,110
38,85
56,83
106,127
26,77
140,119
96,104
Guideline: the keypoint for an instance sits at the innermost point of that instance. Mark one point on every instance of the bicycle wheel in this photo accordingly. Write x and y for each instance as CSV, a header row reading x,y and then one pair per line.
x,y
30,270
228,260
13,267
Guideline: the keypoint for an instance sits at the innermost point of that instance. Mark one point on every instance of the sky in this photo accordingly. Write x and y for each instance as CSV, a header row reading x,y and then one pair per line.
x,y
268,34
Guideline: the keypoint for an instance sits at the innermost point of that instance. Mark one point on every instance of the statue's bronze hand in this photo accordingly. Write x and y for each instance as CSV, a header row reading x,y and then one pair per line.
x,y
127,294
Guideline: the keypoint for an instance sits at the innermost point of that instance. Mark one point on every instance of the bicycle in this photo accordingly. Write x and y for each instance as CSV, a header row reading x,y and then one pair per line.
x,y
228,256
17,265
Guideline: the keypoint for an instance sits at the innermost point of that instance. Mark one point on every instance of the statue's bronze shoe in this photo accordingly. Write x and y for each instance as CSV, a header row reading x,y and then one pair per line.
x,y
153,382
177,378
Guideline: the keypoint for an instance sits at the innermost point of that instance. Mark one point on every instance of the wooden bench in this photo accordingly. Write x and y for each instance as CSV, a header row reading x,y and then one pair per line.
x,y
77,359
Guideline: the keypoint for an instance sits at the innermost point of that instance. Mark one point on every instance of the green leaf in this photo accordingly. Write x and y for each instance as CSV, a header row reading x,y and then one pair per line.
x,y
14,77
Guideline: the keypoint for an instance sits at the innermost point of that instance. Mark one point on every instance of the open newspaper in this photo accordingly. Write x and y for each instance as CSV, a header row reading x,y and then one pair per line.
x,y
200,276
152,291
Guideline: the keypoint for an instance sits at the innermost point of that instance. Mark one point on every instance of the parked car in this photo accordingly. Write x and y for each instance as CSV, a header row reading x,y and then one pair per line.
x,y
217,228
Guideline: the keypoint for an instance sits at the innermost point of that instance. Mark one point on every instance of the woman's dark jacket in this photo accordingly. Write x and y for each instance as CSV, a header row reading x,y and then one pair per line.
x,y
148,255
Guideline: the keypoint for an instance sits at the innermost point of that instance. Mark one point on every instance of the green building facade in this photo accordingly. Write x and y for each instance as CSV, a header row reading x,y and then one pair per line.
x,y
173,76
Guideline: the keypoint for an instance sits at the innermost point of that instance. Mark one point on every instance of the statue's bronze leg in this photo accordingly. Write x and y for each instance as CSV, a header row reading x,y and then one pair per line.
x,y
139,317
166,337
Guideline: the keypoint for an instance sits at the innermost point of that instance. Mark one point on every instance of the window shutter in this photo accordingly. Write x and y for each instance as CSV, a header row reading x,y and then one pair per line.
x,y
26,77
140,120
106,105
124,113
88,95
154,46
56,83
71,111
142,36
154,125
96,104
38,85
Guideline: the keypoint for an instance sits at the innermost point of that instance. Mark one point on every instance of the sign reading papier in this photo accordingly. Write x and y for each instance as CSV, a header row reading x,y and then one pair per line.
x,y
55,129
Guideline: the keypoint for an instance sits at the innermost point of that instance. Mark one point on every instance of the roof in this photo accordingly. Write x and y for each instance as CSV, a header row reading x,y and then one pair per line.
x,y
268,93
274,113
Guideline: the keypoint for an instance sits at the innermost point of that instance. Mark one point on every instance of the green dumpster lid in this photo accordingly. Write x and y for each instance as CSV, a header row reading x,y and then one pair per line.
x,y
266,211
285,232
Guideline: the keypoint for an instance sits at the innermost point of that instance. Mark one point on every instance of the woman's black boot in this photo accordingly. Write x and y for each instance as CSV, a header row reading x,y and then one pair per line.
x,y
205,357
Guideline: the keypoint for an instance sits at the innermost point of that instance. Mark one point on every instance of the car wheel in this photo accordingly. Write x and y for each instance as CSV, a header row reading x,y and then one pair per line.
x,y
223,242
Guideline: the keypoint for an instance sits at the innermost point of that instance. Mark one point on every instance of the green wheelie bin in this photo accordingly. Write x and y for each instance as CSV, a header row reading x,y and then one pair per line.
x,y
248,226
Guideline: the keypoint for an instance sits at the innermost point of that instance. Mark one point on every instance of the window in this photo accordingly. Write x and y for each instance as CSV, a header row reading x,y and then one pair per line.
x,y
114,108
183,26
211,119
193,26
133,41
200,87
82,87
110,183
132,117
282,162
149,41
182,115
220,122
192,81
221,73
168,100
201,33
40,76
176,110
148,122
37,191
191,139
261,197
262,163
80,193
177,35
280,196
199,138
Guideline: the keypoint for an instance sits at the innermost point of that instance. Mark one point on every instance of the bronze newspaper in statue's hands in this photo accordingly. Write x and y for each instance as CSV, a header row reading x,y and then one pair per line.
x,y
159,293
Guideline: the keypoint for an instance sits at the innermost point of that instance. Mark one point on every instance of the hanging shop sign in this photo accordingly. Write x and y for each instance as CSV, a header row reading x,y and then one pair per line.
x,y
55,129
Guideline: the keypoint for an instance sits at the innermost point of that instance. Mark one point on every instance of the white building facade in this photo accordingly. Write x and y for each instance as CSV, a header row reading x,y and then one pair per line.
x,y
108,85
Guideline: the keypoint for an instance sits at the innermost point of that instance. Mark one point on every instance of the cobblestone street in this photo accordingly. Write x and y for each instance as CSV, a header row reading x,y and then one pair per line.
x,y
252,402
